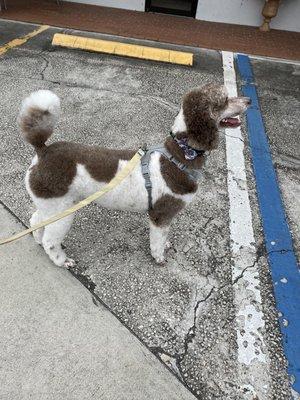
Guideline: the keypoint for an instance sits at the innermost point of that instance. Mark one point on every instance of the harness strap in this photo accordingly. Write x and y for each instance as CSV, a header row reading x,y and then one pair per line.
x,y
145,161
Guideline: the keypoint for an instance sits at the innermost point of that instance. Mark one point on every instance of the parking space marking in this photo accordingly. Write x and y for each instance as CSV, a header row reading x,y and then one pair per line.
x,y
123,49
19,41
278,239
253,374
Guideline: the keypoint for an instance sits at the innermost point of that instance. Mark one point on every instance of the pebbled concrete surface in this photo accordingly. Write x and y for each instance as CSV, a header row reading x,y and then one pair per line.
x,y
58,342
279,94
184,311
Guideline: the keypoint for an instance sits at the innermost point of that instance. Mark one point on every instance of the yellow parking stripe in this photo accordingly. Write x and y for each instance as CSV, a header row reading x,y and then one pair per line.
x,y
22,40
123,49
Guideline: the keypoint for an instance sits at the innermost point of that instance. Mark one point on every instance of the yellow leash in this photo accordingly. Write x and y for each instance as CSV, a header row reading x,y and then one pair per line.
x,y
129,167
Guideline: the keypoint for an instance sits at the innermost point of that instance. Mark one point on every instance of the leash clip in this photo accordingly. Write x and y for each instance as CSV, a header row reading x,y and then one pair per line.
x,y
141,151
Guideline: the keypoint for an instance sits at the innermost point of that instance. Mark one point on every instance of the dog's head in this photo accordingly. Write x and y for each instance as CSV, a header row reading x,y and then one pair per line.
x,y
204,111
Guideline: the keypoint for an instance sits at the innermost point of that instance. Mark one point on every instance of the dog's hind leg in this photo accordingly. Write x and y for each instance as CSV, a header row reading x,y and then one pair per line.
x,y
52,238
38,234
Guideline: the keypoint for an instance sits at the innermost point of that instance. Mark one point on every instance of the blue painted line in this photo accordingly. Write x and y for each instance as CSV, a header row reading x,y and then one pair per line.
x,y
279,244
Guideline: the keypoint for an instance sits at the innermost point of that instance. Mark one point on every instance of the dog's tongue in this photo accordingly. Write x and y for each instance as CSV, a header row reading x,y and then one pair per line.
x,y
230,122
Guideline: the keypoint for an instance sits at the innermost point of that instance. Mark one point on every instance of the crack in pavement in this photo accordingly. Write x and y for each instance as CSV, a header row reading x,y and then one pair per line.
x,y
156,99
191,332
161,101
285,160
47,62
207,222
241,183
281,251
231,136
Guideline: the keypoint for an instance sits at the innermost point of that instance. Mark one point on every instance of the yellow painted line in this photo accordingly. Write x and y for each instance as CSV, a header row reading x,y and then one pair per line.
x,y
123,49
19,41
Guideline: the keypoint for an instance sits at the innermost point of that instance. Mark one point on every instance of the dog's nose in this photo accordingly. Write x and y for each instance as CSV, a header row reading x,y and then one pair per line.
x,y
248,101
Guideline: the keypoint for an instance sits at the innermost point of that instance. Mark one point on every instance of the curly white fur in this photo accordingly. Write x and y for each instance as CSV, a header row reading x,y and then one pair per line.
x,y
44,100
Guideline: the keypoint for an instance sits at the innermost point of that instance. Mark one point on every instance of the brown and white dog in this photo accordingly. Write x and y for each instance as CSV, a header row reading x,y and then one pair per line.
x,y
63,173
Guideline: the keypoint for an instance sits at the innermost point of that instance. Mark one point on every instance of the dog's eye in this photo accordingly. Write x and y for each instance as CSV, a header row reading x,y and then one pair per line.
x,y
219,106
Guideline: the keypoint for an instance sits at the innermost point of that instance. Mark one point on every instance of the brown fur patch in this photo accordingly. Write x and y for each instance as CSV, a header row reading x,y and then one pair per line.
x,y
201,108
31,127
56,167
165,209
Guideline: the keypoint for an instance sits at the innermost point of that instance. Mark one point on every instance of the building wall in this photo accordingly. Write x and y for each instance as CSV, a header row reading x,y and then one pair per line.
x,y
288,17
138,5
241,12
248,12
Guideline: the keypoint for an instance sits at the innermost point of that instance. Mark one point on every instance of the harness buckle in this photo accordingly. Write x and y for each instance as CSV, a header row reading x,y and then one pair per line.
x,y
181,166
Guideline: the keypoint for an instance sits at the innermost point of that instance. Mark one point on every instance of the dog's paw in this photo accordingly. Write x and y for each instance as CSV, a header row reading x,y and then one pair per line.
x,y
69,263
168,245
38,236
160,260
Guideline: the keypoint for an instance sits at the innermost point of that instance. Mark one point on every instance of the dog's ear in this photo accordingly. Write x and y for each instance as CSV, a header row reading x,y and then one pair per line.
x,y
202,130
201,127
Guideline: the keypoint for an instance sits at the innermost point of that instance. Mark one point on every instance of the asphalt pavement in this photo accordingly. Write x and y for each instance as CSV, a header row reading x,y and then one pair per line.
x,y
184,312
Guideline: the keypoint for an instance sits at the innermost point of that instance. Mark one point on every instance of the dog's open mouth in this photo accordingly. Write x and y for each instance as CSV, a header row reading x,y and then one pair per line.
x,y
230,122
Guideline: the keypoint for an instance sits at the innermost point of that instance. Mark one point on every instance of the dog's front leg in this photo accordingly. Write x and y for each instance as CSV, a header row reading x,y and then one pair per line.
x,y
161,215
158,241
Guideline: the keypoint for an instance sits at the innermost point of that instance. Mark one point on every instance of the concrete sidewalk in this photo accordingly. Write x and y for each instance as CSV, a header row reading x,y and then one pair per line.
x,y
56,343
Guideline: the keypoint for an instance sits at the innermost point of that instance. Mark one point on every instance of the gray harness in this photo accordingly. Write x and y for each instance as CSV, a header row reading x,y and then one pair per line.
x,y
145,161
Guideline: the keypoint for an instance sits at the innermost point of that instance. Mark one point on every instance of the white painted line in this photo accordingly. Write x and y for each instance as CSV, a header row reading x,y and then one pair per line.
x,y
253,369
